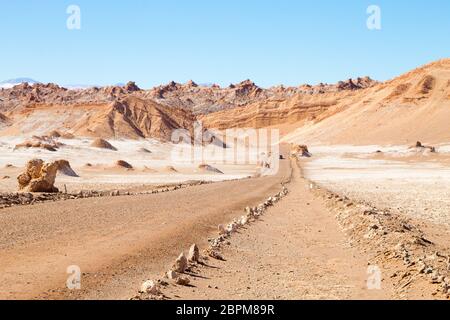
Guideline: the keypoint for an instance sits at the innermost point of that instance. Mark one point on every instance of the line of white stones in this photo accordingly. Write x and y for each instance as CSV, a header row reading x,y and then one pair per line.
x,y
252,214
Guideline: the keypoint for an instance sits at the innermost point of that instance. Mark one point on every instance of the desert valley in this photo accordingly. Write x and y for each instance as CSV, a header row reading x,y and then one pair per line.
x,y
328,191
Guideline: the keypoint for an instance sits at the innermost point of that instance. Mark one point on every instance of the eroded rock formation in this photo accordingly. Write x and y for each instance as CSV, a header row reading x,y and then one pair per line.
x,y
40,176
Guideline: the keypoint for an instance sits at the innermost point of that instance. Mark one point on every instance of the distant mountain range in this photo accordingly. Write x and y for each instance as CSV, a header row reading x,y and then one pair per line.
x,y
13,82
412,107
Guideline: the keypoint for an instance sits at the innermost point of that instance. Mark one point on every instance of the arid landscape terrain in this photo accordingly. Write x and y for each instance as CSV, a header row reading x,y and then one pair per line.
x,y
328,191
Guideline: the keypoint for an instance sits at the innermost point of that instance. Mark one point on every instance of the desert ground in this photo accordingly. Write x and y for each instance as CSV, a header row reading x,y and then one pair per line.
x,y
349,200
395,179
298,249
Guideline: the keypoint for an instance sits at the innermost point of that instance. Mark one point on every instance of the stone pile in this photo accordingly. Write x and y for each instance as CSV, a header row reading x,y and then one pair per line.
x,y
393,238
150,287
28,198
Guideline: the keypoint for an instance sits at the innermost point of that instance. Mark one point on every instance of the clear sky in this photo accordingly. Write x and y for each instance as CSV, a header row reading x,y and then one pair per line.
x,y
217,41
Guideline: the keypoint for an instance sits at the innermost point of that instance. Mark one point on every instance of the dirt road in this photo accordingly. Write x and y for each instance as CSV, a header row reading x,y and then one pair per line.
x,y
297,251
117,242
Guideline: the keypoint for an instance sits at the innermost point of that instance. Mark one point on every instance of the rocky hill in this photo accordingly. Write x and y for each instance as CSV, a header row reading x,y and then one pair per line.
x,y
130,112
208,99
98,112
412,107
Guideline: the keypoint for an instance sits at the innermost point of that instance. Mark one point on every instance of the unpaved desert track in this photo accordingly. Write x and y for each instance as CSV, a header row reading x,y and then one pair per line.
x,y
117,242
295,251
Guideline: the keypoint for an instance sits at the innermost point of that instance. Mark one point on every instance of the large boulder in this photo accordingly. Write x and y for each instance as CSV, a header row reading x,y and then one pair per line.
x,y
181,264
103,144
38,177
194,254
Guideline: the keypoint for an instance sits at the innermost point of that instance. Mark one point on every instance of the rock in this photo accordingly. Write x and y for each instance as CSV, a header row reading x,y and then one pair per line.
x,y
35,143
194,253
170,169
191,83
428,270
38,177
180,264
123,164
172,275
208,168
144,150
221,229
232,227
150,287
65,168
215,255
182,281
269,202
132,87
374,226
244,220
215,243
103,144
420,146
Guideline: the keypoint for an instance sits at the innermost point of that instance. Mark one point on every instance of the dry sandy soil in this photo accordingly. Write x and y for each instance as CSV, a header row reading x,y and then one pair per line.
x,y
97,170
319,245
398,179
305,247
296,251
117,242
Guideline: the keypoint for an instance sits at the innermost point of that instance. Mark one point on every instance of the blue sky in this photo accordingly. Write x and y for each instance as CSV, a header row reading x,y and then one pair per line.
x,y
271,42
